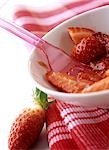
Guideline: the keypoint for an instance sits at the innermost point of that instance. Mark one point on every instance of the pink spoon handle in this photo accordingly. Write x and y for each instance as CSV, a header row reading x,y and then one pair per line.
x,y
20,32
56,57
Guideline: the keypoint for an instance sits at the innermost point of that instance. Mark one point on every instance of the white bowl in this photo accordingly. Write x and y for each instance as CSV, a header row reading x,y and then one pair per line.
x,y
97,20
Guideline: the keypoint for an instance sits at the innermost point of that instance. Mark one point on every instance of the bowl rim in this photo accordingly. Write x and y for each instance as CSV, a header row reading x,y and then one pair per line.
x,y
75,17
70,95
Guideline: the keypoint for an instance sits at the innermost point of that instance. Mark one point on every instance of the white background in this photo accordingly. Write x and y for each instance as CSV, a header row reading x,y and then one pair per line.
x,y
16,83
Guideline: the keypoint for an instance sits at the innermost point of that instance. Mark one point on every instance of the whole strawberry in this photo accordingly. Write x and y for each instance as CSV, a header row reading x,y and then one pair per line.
x,y
89,49
27,126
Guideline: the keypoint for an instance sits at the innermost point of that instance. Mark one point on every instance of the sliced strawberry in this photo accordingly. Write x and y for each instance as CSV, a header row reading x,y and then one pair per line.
x,y
65,82
77,33
98,86
101,65
89,76
104,39
106,73
89,49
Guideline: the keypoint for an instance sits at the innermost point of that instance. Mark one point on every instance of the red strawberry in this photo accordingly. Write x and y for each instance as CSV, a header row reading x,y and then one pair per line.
x,y
89,76
77,33
26,128
104,39
101,65
106,73
98,86
65,82
89,49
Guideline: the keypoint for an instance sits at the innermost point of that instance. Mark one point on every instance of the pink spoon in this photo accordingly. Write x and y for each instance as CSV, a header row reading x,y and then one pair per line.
x,y
57,58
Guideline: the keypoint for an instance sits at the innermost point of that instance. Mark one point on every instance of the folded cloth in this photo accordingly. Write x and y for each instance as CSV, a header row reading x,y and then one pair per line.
x,y
69,127
72,127
59,137
41,20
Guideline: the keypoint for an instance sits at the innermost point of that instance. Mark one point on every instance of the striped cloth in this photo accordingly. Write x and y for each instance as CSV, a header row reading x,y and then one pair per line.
x,y
72,127
40,22
69,127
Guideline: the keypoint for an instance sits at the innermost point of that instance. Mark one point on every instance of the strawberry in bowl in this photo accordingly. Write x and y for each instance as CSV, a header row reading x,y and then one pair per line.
x,y
85,39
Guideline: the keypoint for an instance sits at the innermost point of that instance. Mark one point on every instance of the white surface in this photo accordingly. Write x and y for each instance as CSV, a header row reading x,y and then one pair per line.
x,y
97,20
15,82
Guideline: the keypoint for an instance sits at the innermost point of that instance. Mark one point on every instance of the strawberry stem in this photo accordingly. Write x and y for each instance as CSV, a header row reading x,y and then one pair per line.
x,y
41,98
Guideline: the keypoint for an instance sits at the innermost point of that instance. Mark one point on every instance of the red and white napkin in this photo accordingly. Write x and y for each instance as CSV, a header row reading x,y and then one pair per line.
x,y
77,128
69,127
40,20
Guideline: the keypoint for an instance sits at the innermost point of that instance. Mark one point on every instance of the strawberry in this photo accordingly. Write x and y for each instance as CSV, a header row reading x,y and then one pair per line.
x,y
98,86
106,73
101,65
27,127
104,39
65,82
89,76
77,33
89,49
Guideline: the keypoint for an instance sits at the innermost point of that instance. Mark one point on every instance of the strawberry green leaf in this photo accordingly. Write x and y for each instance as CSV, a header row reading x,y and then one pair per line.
x,y
41,98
